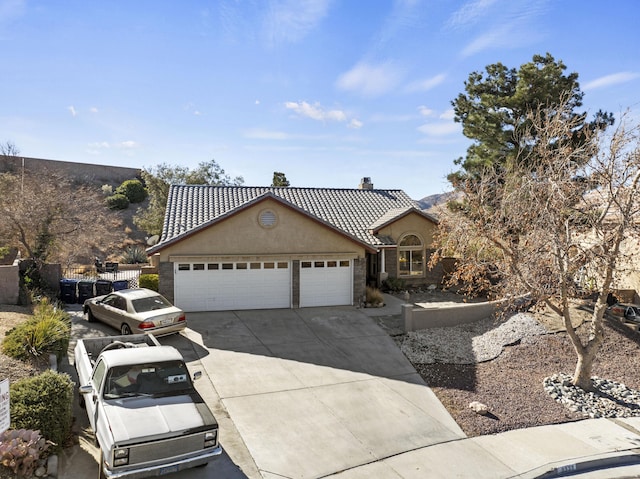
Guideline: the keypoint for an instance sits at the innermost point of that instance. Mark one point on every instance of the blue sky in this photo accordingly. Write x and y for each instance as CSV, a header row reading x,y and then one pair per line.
x,y
326,91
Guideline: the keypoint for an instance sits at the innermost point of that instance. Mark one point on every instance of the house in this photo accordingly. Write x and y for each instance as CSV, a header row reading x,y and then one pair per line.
x,y
238,247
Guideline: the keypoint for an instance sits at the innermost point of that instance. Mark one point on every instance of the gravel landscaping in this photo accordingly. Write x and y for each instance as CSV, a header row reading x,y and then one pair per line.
x,y
505,364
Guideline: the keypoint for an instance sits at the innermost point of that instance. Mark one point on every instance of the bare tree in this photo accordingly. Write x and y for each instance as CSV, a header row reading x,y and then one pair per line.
x,y
551,224
50,219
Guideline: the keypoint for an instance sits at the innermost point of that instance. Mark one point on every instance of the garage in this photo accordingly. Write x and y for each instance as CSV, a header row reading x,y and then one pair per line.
x,y
326,282
220,286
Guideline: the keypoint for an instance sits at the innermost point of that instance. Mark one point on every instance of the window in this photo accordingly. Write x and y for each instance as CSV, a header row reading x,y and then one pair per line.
x,y
184,267
241,265
213,266
410,256
198,267
283,265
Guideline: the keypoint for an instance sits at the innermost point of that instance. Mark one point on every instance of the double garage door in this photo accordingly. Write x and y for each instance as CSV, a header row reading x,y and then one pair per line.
x,y
221,286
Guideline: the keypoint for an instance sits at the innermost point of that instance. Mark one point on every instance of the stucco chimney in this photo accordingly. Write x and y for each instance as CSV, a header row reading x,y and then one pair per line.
x,y
365,184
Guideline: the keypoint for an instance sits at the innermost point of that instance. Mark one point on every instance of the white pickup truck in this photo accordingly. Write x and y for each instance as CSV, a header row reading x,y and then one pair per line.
x,y
147,417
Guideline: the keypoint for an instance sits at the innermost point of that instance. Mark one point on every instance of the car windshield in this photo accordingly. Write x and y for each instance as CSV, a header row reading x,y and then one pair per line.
x,y
166,378
151,303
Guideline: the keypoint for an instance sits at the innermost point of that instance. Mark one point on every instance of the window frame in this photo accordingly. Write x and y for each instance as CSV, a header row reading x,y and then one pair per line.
x,y
410,250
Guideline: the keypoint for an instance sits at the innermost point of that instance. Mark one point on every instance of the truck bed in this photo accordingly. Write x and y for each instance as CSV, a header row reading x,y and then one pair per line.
x,y
93,346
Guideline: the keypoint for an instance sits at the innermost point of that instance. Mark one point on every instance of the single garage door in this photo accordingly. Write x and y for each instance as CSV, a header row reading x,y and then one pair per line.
x,y
232,286
326,283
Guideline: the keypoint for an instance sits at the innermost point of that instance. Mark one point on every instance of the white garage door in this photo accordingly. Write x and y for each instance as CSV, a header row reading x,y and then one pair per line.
x,y
232,286
325,283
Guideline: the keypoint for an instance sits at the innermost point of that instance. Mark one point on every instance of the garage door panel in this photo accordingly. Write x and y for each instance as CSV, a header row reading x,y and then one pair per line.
x,y
256,286
326,283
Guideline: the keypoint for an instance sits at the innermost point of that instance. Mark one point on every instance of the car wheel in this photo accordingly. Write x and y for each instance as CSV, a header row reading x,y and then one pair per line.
x,y
90,317
125,329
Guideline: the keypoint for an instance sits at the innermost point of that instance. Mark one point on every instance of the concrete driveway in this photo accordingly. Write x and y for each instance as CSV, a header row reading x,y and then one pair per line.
x,y
304,393
314,392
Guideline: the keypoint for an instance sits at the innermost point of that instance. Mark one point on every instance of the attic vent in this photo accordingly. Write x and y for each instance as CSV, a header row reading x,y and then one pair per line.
x,y
267,219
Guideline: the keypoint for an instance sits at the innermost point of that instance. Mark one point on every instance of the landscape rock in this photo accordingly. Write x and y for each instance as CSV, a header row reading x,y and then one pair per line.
x,y
479,408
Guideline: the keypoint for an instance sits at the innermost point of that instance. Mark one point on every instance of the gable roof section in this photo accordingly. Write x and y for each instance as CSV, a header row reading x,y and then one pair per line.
x,y
395,214
191,208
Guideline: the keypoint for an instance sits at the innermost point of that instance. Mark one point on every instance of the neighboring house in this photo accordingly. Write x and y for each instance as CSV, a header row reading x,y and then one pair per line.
x,y
236,247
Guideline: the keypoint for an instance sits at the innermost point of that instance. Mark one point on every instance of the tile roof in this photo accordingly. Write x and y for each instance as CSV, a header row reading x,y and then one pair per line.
x,y
355,212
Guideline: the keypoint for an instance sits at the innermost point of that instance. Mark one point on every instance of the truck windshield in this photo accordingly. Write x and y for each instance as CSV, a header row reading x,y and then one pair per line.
x,y
151,303
165,378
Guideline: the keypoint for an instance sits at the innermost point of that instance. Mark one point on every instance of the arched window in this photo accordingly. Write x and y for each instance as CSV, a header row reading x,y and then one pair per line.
x,y
410,256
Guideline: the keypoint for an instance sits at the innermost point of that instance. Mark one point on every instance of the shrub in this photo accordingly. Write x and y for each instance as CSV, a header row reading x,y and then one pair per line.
x,y
107,190
43,402
374,296
117,202
134,190
394,284
48,331
134,255
149,281
21,449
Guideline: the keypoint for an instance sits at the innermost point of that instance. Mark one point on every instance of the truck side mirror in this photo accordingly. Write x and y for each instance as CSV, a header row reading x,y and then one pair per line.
x,y
88,389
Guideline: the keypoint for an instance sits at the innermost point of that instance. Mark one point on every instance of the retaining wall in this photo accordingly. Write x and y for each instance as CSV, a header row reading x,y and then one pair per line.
x,y
416,318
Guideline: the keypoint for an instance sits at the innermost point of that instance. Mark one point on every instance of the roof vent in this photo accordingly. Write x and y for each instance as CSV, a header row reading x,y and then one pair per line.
x,y
365,184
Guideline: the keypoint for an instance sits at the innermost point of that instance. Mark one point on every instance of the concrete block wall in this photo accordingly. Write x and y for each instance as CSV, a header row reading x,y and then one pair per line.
x,y
9,284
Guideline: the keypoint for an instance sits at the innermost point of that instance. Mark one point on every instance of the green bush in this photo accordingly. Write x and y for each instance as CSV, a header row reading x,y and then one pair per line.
x,y
117,202
149,281
134,190
134,255
43,403
48,331
394,284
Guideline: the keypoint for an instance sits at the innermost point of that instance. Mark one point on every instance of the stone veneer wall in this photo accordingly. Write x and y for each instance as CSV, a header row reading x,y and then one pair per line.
x,y
165,280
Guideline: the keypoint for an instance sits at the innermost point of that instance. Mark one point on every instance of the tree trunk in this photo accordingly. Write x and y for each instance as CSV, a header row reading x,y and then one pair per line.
x,y
582,374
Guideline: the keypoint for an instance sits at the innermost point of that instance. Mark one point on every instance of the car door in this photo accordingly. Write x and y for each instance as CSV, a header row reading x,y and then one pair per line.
x,y
112,306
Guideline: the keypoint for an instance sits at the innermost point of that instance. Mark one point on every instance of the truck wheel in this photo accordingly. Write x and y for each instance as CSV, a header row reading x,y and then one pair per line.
x,y
125,329
90,317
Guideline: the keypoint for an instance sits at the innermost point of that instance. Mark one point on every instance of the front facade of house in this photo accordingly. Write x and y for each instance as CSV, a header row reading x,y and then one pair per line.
x,y
231,248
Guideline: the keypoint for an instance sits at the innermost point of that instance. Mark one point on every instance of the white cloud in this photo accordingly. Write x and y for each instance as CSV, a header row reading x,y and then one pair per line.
x,y
93,109
370,80
469,13
127,145
292,20
355,124
424,111
608,80
315,111
262,134
449,114
72,110
427,84
439,129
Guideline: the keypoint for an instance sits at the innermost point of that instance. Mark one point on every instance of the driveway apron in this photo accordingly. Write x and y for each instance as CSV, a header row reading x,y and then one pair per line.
x,y
313,392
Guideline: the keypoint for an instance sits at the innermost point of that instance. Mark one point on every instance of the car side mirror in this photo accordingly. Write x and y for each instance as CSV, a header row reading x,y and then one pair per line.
x,y
197,375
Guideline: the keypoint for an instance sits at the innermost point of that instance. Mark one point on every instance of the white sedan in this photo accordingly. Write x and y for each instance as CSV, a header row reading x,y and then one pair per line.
x,y
134,311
